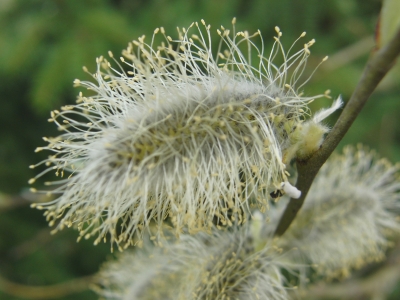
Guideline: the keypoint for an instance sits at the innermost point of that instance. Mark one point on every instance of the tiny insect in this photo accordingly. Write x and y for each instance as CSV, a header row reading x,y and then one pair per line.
x,y
287,189
276,194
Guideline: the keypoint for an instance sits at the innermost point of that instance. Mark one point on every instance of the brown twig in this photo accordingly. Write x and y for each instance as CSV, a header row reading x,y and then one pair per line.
x,y
29,246
377,67
45,292
10,202
348,54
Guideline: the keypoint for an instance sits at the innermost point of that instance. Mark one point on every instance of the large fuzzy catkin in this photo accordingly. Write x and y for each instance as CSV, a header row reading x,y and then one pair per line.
x,y
183,135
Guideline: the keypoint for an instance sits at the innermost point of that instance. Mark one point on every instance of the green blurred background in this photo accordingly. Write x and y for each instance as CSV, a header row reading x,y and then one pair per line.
x,y
45,43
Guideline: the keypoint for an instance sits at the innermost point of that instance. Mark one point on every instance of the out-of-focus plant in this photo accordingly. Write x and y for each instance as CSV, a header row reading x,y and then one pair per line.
x,y
49,41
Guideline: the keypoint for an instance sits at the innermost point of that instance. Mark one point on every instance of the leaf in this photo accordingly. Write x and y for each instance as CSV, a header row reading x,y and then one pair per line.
x,y
389,22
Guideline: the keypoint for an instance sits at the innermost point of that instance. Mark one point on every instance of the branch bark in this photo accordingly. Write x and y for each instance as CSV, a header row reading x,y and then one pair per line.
x,y
377,67
45,292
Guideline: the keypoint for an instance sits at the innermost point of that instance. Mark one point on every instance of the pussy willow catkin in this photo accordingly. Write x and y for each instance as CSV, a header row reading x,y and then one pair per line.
x,y
351,214
221,265
183,135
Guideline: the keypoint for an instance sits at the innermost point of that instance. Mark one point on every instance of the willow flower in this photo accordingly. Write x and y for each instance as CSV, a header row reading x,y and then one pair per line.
x,y
224,265
350,214
182,135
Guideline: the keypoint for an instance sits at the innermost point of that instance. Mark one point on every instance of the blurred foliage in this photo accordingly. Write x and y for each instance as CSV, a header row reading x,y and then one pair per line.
x,y
45,43
389,21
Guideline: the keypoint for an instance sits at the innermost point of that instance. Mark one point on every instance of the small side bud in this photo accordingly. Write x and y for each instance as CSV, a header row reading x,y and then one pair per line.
x,y
312,136
290,190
